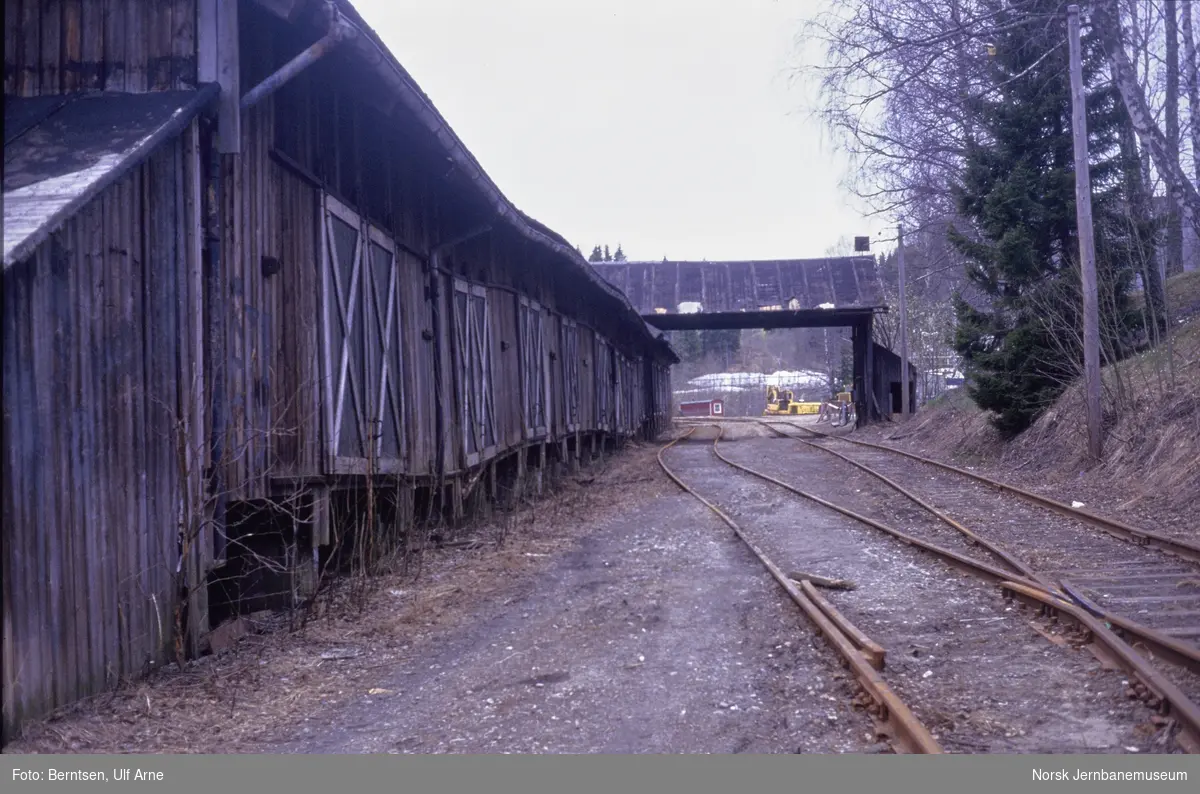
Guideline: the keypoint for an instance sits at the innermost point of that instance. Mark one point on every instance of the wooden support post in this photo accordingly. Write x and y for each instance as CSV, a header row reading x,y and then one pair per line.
x,y
1087,244
303,571
478,504
872,400
522,468
320,516
541,469
859,354
196,581
864,383
456,502
406,506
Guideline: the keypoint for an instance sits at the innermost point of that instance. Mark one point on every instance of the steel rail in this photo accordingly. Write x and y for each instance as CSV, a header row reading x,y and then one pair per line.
x,y
893,718
962,562
1014,562
1142,537
1162,688
1097,627
1160,644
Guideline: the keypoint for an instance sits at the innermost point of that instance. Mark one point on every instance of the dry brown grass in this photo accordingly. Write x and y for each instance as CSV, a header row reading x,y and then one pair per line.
x,y
1152,438
243,700
954,423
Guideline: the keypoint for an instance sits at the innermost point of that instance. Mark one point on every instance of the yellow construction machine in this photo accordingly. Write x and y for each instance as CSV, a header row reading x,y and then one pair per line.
x,y
782,402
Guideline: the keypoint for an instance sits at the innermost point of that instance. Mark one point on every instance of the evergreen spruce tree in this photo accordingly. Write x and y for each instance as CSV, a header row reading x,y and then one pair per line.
x,y
607,255
597,255
619,255
1018,190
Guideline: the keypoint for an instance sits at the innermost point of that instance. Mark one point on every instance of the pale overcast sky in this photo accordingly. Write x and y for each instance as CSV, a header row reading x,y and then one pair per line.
x,y
668,126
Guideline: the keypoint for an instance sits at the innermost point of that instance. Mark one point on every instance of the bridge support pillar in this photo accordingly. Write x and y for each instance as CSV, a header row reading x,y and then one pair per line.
x,y
866,401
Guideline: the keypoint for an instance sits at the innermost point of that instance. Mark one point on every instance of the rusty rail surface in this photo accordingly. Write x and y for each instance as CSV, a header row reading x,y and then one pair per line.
x,y
1129,659
892,717
873,651
1160,644
1099,628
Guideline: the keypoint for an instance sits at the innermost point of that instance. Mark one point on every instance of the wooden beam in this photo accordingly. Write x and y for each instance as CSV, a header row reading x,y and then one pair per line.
x,y
288,10
229,125
192,392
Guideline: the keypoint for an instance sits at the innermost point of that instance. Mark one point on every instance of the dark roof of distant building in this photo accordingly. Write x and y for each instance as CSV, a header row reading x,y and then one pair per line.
x,y
747,284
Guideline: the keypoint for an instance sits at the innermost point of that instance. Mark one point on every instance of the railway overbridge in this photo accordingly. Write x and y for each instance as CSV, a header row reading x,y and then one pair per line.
x,y
832,292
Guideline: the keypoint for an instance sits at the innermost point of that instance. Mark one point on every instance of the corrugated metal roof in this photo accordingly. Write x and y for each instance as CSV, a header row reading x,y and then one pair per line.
x,y
60,152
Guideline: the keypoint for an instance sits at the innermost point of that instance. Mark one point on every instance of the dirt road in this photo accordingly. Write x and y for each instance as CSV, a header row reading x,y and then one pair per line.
x,y
622,617
657,632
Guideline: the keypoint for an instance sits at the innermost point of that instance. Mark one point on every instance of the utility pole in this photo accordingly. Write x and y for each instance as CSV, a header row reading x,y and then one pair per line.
x,y
1087,243
903,323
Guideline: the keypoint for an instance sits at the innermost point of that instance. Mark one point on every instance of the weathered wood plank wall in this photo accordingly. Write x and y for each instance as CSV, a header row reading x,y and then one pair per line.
x,y
96,339
331,138
108,378
58,46
295,323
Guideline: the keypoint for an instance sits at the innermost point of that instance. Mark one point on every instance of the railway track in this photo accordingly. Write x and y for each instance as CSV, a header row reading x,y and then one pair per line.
x,y
959,546
1146,586
1180,548
892,717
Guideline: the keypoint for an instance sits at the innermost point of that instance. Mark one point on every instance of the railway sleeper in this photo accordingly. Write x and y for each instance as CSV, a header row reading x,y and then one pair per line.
x,y
1103,635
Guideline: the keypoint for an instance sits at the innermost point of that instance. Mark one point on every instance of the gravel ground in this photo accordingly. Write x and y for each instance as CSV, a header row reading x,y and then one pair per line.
x,y
620,616
969,664
657,633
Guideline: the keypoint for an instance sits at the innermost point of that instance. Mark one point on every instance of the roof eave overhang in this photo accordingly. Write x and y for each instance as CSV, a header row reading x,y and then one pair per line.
x,y
367,47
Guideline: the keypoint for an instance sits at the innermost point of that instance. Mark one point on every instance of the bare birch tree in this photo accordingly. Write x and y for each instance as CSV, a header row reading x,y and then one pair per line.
x,y
1165,157
893,78
1191,81
1171,112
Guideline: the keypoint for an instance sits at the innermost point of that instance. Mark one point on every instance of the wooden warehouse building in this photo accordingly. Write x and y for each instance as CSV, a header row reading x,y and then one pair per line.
x,y
250,276
887,382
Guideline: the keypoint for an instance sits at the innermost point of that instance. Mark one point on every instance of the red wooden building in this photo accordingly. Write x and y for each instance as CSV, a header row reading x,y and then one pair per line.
x,y
702,408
